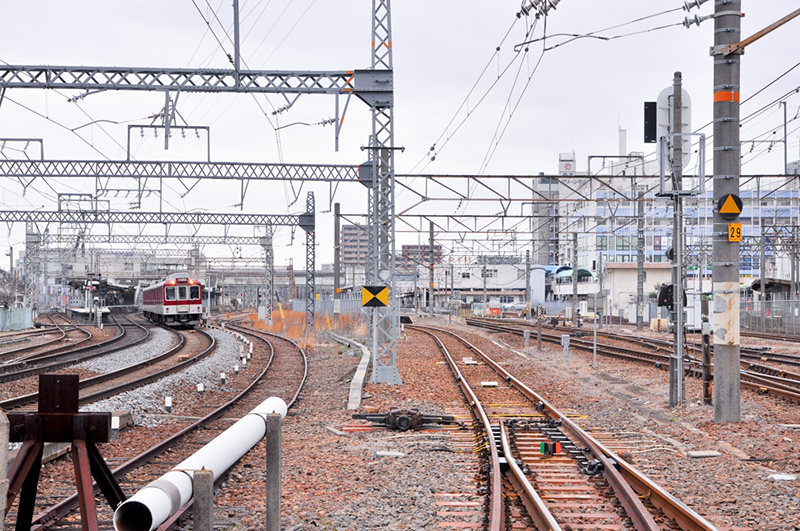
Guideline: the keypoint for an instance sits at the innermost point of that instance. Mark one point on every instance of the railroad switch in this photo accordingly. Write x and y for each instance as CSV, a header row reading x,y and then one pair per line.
x,y
405,419
591,468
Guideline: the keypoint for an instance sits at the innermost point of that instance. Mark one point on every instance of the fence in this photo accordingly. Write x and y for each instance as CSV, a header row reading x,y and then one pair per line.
x,y
780,315
16,319
348,306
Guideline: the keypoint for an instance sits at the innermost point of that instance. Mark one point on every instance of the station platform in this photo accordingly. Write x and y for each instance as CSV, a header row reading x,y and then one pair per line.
x,y
86,315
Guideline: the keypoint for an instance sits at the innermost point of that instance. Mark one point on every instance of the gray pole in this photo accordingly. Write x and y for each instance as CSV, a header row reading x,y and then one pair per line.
x,y
430,276
236,36
528,285
762,266
485,301
639,262
575,279
539,334
792,254
594,343
337,249
600,278
452,302
727,169
203,494
273,473
676,360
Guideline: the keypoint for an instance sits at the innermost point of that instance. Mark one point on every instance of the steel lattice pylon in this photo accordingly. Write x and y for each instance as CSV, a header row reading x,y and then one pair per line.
x,y
269,276
310,274
32,243
382,241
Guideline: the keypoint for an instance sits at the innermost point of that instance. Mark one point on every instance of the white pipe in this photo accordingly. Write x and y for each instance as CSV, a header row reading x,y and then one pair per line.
x,y
155,503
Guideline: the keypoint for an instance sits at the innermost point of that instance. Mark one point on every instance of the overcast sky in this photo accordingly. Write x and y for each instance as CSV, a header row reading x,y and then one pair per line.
x,y
484,111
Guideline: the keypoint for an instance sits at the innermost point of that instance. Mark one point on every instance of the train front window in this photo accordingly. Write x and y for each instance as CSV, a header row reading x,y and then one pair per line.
x,y
194,293
169,293
182,293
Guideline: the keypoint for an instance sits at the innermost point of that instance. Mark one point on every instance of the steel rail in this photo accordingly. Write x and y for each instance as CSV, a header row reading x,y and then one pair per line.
x,y
110,391
46,519
636,511
620,470
46,354
173,521
770,381
55,327
496,507
26,372
541,515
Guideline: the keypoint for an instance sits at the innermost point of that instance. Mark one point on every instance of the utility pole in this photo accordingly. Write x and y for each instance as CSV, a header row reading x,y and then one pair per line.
x,y
727,169
600,278
640,262
676,360
762,266
430,276
452,302
528,285
485,301
337,251
574,279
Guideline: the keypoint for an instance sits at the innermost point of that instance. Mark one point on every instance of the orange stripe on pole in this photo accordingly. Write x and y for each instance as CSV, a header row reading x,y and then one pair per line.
x,y
726,95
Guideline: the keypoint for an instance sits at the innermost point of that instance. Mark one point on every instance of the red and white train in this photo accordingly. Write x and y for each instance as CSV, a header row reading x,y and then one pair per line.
x,y
174,301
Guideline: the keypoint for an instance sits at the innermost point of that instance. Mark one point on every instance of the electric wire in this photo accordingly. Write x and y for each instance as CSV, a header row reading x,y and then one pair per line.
x,y
466,101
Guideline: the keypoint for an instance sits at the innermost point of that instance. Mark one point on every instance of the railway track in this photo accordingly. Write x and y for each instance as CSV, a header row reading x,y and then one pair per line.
x,y
132,376
129,334
69,335
546,472
277,365
757,377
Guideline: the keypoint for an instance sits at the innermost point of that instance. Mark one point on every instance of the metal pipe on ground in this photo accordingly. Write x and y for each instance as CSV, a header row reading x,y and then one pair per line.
x,y
155,503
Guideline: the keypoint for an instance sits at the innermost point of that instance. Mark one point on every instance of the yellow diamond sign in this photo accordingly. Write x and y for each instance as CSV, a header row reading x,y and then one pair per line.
x,y
374,296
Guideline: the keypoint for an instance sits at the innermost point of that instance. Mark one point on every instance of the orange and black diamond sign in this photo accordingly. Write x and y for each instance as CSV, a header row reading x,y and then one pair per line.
x,y
374,296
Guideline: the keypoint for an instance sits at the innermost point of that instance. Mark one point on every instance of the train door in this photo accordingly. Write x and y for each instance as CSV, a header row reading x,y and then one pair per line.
x,y
183,300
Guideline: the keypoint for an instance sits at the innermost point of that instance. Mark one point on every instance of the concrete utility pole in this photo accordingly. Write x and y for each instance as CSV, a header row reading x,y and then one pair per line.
x,y
527,285
640,262
337,251
452,301
727,169
762,263
600,278
676,360
485,300
574,279
430,273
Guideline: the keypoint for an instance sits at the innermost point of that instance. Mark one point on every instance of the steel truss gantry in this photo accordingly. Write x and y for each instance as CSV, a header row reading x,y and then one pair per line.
x,y
305,221
374,86
154,239
361,83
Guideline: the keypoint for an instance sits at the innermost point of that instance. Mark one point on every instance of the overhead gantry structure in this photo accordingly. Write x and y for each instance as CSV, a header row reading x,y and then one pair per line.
x,y
373,86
